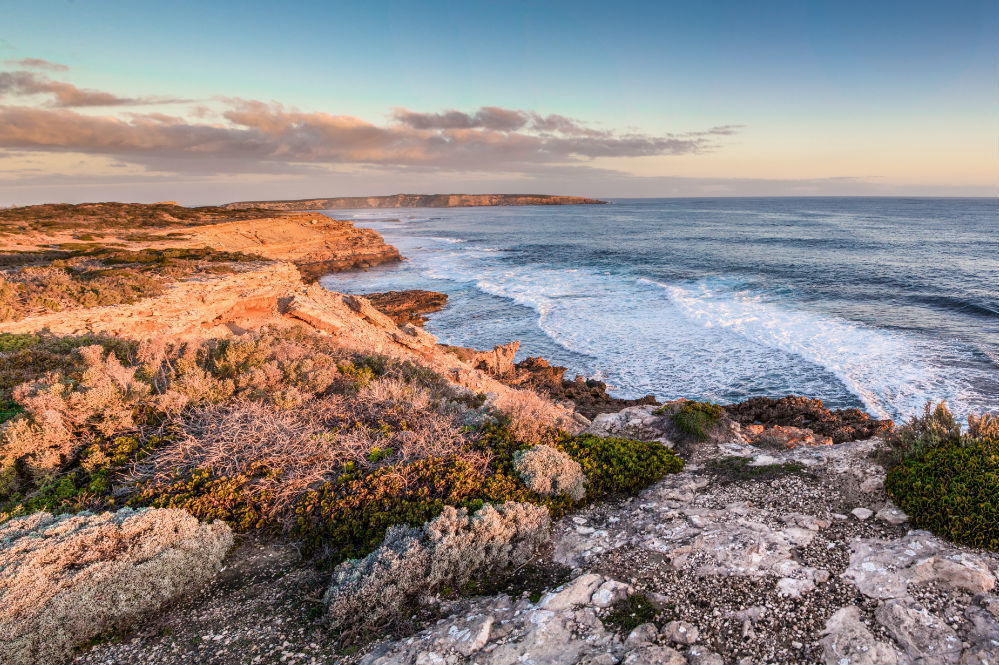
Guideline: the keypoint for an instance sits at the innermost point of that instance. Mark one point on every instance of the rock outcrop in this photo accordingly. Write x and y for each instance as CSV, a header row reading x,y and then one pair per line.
x,y
407,306
315,243
804,413
807,563
415,201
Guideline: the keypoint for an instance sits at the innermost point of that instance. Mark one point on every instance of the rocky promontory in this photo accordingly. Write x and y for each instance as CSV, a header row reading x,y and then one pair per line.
x,y
415,201
183,386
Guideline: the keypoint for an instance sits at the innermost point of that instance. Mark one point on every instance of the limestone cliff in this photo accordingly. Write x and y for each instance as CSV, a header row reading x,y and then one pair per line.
x,y
315,243
415,201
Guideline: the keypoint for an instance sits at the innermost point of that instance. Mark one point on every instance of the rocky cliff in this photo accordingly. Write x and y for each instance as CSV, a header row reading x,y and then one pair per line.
x,y
415,201
315,243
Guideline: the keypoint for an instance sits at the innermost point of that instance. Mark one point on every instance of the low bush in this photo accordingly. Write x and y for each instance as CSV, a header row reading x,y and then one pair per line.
x,y
951,488
619,465
448,551
695,418
628,614
279,431
549,472
936,426
66,580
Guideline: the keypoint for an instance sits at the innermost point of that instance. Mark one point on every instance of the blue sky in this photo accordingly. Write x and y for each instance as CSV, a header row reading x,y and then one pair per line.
x,y
837,98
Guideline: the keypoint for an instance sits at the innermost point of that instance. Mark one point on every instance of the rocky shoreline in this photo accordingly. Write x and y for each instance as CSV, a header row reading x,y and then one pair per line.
x,y
775,543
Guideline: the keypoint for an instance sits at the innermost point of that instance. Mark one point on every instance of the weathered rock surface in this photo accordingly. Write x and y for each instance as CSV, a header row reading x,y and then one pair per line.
x,y
562,628
801,412
407,306
589,396
497,362
203,307
315,243
767,567
848,640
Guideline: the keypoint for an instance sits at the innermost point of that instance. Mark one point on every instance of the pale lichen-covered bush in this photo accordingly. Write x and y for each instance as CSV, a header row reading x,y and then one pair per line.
x,y
549,472
417,562
67,579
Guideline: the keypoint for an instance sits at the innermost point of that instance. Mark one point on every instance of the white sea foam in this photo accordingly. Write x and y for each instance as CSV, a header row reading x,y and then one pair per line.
x,y
710,339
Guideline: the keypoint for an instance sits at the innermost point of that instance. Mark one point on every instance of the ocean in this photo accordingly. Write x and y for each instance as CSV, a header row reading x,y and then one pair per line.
x,y
876,303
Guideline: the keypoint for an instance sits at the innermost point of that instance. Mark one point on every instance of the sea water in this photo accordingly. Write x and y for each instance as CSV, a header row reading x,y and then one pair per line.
x,y
878,303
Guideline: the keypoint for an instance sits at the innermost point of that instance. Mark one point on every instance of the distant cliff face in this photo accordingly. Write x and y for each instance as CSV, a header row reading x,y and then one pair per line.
x,y
416,201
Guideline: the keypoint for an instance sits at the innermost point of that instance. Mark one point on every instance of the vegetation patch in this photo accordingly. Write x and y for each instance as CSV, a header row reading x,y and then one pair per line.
x,y
628,614
90,218
946,480
738,469
90,275
279,432
696,418
951,489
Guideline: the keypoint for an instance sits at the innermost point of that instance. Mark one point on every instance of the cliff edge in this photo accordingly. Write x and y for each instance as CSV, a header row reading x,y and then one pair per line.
x,y
415,201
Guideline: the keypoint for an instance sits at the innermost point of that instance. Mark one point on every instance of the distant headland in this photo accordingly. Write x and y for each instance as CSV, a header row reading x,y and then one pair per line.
x,y
416,201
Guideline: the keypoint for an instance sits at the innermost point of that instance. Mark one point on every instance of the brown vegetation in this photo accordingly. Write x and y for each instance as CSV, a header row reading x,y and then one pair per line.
x,y
92,275
97,217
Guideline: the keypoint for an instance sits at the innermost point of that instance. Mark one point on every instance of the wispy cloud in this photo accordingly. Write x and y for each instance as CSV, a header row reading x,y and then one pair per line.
x,y
67,95
36,63
252,130
44,116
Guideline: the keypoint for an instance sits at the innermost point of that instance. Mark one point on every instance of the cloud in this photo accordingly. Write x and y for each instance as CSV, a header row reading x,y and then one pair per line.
x,y
494,118
37,63
67,95
488,139
487,117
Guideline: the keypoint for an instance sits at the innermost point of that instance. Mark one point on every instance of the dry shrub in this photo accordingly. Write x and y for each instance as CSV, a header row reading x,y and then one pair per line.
x,y
414,563
549,472
67,579
64,286
985,426
394,389
58,410
298,448
532,416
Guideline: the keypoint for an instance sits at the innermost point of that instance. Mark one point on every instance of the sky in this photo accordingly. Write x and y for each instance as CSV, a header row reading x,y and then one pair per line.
x,y
204,102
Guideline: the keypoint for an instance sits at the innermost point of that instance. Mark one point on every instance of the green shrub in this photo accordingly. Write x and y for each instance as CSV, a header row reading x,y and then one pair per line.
x,y
348,517
694,418
951,489
619,465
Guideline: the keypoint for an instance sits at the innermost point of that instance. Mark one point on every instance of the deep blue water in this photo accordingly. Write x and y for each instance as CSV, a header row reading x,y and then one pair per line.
x,y
876,303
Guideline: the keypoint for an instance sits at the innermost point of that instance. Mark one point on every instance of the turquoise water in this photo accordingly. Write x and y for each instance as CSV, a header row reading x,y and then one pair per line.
x,y
876,303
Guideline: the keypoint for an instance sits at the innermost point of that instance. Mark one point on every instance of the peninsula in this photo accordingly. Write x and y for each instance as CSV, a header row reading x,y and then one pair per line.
x,y
416,201
208,457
